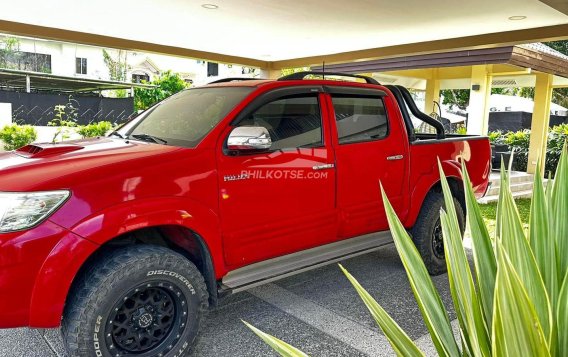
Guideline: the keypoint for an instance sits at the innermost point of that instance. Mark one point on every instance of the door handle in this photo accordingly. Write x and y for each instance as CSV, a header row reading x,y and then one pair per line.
x,y
323,167
395,157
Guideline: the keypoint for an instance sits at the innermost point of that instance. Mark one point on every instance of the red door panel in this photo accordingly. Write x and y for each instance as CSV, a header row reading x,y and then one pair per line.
x,y
276,203
364,159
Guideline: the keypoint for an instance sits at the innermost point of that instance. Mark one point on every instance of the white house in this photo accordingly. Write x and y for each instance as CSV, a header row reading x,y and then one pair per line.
x,y
82,61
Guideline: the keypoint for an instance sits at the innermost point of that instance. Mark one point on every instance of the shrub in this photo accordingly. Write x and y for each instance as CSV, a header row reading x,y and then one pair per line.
x,y
95,129
556,138
514,302
15,136
168,84
496,137
519,141
462,130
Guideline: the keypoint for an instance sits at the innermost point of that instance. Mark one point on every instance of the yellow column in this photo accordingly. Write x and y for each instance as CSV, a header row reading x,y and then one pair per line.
x,y
540,121
478,111
432,92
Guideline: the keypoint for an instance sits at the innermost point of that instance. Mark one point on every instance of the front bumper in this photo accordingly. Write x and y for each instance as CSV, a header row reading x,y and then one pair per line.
x,y
22,258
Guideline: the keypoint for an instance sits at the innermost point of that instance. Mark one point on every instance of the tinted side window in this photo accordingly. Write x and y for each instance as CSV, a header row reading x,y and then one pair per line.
x,y
292,122
360,119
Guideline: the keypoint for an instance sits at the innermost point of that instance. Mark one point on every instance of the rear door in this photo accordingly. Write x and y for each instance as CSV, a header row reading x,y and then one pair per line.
x,y
370,149
283,200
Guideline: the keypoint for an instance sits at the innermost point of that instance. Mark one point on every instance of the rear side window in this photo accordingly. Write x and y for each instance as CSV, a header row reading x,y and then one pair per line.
x,y
360,119
293,122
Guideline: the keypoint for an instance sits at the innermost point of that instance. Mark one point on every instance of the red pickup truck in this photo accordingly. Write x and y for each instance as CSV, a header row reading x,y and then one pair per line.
x,y
126,240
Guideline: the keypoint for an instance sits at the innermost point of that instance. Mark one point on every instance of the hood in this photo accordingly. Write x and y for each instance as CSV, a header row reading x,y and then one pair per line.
x,y
53,166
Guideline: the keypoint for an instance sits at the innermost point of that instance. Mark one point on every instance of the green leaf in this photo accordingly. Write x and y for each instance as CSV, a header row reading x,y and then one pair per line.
x,y
483,254
559,211
465,298
284,349
399,340
427,297
511,234
562,319
517,330
542,243
503,187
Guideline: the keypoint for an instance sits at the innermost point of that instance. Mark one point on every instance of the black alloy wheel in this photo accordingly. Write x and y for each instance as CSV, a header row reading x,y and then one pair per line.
x,y
148,319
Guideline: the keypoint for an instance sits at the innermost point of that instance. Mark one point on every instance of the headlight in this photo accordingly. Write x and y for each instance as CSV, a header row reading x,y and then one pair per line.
x,y
23,210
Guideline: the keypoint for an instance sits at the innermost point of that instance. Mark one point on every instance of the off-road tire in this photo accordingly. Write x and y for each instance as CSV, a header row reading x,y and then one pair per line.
x,y
425,227
164,289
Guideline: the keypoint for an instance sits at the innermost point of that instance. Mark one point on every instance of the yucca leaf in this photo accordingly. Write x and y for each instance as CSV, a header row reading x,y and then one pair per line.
x,y
511,234
284,349
427,297
559,211
473,330
399,340
562,319
483,254
517,330
503,187
542,243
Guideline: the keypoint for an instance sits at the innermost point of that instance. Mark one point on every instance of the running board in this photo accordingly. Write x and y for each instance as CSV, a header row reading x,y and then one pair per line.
x,y
295,263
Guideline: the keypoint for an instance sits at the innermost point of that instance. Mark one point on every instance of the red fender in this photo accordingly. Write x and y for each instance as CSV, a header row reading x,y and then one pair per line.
x,y
425,183
55,278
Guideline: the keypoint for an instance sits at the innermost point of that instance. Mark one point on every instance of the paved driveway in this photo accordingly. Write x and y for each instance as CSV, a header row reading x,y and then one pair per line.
x,y
318,312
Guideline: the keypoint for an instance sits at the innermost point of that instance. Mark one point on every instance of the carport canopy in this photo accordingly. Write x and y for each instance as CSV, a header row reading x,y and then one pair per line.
x,y
273,34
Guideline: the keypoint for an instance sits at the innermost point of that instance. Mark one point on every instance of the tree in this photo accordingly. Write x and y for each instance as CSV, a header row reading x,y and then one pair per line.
x,y
116,64
117,68
560,46
168,84
9,47
458,97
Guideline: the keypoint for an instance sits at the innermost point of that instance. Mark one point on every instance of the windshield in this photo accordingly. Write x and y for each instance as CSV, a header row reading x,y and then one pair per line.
x,y
185,118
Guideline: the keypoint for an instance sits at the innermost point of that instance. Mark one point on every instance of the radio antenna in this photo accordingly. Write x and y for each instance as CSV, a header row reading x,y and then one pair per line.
x,y
323,70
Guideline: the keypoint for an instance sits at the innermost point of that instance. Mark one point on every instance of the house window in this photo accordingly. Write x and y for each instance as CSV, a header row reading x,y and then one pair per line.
x,y
140,78
28,61
212,69
80,65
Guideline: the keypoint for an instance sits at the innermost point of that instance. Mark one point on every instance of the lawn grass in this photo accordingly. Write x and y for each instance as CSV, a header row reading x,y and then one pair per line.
x,y
488,211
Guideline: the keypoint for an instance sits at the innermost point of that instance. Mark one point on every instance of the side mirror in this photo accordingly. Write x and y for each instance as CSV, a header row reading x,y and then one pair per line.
x,y
249,138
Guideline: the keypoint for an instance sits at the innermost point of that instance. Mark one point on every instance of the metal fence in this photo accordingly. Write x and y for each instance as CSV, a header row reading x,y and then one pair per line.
x,y
40,108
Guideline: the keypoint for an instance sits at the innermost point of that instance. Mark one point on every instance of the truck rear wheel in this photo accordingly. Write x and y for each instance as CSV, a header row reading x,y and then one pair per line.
x,y
137,301
427,232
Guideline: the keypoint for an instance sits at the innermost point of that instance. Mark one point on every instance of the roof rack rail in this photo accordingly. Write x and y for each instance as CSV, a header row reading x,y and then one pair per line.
x,y
232,79
301,75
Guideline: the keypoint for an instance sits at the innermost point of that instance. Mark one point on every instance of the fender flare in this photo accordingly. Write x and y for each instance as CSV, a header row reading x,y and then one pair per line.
x,y
425,184
60,268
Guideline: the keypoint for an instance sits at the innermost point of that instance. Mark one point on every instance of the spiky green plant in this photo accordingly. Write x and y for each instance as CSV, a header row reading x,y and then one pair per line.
x,y
514,303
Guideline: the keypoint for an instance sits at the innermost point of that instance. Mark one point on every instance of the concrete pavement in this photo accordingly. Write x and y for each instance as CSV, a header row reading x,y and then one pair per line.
x,y
317,311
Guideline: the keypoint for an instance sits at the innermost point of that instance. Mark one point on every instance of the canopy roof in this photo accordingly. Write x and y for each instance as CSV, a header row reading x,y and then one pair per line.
x,y
15,79
534,56
273,34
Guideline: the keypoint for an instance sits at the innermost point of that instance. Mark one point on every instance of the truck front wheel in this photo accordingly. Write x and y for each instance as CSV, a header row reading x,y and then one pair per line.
x,y
427,232
137,301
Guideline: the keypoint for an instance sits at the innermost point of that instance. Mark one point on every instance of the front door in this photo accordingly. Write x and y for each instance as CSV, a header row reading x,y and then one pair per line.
x,y
281,201
370,148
